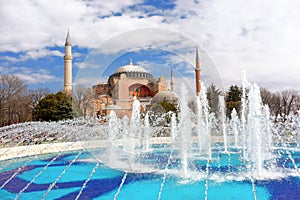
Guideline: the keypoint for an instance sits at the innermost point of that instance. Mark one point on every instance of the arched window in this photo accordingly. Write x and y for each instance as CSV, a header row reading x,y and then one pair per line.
x,y
139,90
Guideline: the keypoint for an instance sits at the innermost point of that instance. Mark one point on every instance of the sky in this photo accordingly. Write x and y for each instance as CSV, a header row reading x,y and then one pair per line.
x,y
259,37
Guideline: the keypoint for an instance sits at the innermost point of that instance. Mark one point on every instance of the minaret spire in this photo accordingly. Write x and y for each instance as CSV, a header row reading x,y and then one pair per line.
x,y
197,54
172,83
198,76
68,65
68,39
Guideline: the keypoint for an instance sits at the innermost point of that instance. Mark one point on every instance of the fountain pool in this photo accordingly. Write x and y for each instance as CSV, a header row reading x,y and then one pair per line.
x,y
77,175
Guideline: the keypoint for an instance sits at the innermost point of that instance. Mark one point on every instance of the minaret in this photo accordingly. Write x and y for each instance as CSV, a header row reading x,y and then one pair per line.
x,y
172,83
68,66
198,78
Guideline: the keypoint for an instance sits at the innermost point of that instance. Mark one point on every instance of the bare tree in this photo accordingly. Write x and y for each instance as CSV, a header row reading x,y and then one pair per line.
x,y
288,99
266,96
83,100
12,90
281,103
37,95
272,100
20,109
297,104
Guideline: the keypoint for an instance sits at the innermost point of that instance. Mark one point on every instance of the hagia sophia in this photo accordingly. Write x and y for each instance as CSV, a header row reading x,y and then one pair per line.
x,y
126,83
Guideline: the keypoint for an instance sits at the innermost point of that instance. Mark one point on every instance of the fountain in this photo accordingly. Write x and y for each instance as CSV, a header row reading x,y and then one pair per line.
x,y
234,125
139,157
223,121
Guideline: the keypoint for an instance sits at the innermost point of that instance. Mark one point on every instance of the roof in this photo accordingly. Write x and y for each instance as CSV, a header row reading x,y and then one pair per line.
x,y
131,71
167,96
68,40
112,107
131,68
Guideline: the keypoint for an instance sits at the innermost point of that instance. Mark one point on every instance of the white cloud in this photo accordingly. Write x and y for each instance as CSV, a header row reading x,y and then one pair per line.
x,y
29,25
87,81
9,58
85,65
36,77
33,54
261,37
29,75
38,53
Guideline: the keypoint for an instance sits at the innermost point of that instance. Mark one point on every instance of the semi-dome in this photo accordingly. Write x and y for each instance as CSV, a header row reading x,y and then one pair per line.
x,y
132,71
112,107
167,96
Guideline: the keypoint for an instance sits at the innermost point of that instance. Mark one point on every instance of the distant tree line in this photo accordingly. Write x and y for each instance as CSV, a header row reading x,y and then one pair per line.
x,y
18,104
16,101
281,104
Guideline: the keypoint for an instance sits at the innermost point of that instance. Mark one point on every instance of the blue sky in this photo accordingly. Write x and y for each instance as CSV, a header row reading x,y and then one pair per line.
x,y
261,37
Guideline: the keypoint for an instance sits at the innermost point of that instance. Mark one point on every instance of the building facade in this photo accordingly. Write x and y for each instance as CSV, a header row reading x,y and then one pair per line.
x,y
126,83
123,85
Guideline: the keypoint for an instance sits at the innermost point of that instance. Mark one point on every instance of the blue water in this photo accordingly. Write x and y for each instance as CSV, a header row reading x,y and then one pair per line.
x,y
105,181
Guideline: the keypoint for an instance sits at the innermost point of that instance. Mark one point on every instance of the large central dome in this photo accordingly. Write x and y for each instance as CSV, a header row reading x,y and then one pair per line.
x,y
131,68
132,71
